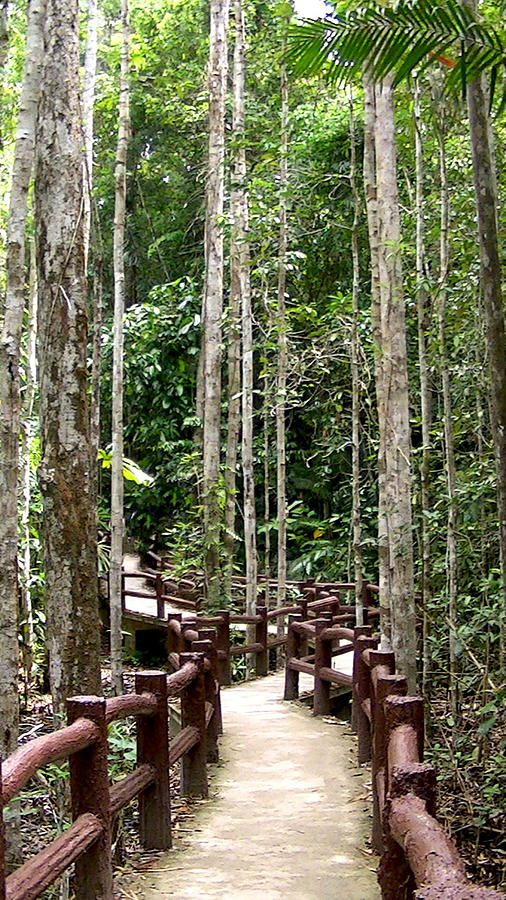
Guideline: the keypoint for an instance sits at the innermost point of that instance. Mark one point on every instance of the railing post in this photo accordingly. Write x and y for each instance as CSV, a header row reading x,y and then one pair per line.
x,y
362,682
223,646
153,748
160,600
323,658
356,709
212,752
193,712
381,687
174,643
209,634
304,640
262,657
2,840
293,643
394,872
89,787
186,625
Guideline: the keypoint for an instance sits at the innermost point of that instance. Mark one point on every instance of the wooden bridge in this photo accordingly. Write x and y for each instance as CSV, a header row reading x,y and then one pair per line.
x,y
417,858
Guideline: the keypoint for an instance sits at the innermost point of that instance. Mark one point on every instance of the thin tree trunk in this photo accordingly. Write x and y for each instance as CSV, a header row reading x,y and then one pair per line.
x,y
282,362
355,376
117,528
451,468
4,50
394,385
240,223
213,297
30,387
267,501
10,397
90,69
491,286
69,529
234,309
423,315
372,223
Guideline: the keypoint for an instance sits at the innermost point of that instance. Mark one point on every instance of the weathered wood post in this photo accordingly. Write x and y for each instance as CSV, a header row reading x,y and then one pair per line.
x,y
293,642
262,657
2,840
322,659
209,634
356,708
304,641
89,787
160,600
174,641
212,752
382,685
153,748
188,624
193,713
363,688
223,646
394,872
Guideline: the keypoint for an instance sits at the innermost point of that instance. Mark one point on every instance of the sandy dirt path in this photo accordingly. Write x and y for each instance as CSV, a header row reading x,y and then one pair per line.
x,y
288,816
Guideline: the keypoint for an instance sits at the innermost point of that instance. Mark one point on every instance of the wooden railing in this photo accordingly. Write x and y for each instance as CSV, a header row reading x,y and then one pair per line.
x,y
418,859
87,842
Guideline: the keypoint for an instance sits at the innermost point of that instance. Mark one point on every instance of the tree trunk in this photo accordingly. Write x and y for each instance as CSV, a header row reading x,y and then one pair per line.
x,y
240,224
234,345
372,224
423,316
117,527
69,529
90,69
394,386
267,502
282,363
490,279
30,387
213,297
451,468
355,376
10,397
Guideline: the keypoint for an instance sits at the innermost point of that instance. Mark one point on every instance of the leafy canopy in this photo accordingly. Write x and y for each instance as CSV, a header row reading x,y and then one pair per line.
x,y
410,34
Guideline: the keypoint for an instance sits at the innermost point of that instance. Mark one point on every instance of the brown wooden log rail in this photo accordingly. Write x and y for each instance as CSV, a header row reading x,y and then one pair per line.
x,y
87,843
418,859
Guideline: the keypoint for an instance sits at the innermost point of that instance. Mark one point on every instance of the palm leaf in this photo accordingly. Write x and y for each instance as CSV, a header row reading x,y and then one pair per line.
x,y
398,39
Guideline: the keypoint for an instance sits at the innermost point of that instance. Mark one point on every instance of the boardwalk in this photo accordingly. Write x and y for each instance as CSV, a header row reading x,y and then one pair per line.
x,y
288,818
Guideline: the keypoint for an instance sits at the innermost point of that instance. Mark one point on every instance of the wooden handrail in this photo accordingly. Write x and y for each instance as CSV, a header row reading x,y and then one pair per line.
x,y
130,705
27,759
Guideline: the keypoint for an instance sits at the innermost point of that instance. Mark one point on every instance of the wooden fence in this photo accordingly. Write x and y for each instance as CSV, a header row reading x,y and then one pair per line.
x,y
418,859
94,801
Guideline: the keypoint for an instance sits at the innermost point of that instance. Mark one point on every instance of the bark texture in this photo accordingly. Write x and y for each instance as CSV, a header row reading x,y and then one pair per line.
x,y
213,297
117,375
371,200
395,393
69,526
10,398
282,363
90,70
491,286
355,375
423,320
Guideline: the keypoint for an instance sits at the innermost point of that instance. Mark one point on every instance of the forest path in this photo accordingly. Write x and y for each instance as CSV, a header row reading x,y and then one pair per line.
x,y
288,814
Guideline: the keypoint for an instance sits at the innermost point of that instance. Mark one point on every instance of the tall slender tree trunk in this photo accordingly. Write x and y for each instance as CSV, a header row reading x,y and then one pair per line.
x,y
90,69
355,375
69,530
491,285
451,467
117,528
234,328
282,361
240,222
423,315
371,199
10,397
267,499
213,297
394,386
30,388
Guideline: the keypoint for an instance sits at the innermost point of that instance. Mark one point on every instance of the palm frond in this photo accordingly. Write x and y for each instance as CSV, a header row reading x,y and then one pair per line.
x,y
411,34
